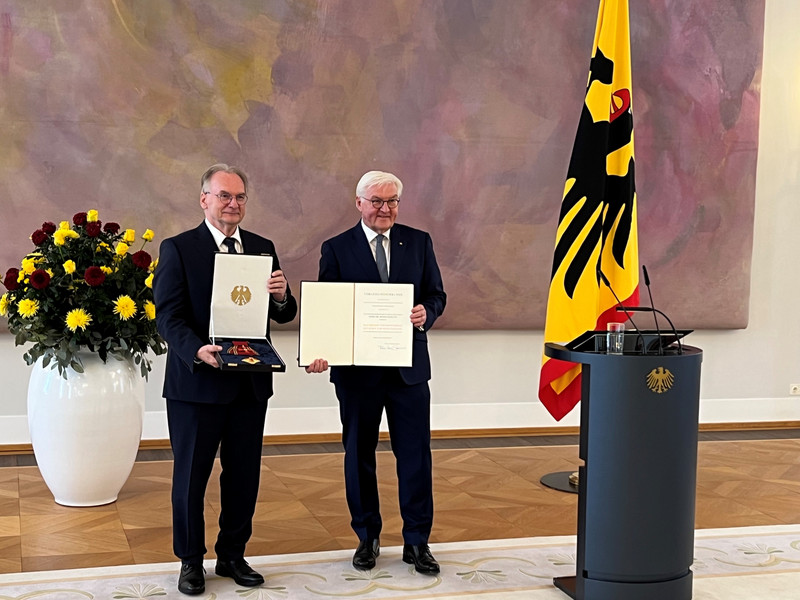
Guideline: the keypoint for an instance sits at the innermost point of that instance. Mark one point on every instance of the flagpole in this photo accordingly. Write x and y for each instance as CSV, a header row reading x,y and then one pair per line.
x,y
597,230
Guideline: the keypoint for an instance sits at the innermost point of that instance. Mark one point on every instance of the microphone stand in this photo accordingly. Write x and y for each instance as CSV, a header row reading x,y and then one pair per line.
x,y
653,306
663,314
621,308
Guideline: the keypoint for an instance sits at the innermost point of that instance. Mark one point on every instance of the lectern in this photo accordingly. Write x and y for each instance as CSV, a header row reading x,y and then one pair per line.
x,y
636,489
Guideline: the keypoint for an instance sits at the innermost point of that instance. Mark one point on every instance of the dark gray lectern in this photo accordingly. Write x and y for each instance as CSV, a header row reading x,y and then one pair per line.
x,y
636,490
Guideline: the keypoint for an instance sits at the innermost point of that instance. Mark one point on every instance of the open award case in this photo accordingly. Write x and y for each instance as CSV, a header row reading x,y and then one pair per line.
x,y
240,313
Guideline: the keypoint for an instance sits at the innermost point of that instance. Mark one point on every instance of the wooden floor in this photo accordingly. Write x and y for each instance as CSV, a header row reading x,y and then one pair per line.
x,y
481,492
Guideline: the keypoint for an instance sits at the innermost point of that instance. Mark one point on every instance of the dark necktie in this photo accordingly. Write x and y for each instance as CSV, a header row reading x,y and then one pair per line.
x,y
380,258
230,243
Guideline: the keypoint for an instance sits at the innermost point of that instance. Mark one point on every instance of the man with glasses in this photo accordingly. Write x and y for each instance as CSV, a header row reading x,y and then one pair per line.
x,y
208,409
379,250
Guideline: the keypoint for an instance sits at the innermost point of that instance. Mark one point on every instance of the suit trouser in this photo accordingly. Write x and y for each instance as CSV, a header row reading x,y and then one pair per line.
x,y
408,416
196,431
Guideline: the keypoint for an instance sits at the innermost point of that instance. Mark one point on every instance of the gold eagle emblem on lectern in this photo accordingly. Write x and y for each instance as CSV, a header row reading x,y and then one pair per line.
x,y
241,295
660,380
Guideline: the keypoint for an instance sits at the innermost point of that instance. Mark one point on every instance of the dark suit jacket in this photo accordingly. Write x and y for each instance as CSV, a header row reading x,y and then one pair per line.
x,y
348,257
182,291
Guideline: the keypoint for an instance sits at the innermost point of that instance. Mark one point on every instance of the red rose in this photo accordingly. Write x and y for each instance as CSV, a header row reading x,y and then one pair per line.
x,y
141,259
10,280
79,218
93,229
49,228
38,237
40,279
94,276
111,227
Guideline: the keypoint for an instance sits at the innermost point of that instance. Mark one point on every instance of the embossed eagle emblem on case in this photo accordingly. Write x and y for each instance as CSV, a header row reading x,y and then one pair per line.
x,y
241,295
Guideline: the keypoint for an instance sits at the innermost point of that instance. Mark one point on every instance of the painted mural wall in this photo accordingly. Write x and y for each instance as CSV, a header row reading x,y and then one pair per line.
x,y
120,105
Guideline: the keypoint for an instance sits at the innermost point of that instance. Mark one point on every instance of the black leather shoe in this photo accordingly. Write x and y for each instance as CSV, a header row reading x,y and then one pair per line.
x,y
192,580
366,553
242,573
420,556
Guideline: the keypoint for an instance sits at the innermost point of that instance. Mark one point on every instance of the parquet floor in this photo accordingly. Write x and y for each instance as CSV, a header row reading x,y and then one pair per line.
x,y
481,493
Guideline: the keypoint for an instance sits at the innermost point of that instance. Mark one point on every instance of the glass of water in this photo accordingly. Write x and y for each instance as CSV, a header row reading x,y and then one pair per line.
x,y
615,338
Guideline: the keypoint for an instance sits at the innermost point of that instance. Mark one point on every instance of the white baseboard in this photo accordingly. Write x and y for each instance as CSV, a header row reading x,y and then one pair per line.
x,y
475,416
750,410
154,426
14,430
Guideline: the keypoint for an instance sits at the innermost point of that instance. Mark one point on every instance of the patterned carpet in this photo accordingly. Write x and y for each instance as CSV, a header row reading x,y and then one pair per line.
x,y
741,563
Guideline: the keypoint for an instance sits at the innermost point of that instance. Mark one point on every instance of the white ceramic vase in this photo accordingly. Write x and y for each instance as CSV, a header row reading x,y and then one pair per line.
x,y
86,429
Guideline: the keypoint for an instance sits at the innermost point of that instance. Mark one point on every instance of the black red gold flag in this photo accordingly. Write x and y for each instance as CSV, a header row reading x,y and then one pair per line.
x,y
597,226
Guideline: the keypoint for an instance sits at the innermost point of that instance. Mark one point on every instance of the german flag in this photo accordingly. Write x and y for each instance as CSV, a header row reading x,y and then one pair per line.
x,y
597,227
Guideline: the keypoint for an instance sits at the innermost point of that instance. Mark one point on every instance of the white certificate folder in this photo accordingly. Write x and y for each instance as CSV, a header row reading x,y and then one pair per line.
x,y
363,324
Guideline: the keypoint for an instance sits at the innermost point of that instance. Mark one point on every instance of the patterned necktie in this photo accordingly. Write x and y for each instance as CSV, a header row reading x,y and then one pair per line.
x,y
380,258
230,243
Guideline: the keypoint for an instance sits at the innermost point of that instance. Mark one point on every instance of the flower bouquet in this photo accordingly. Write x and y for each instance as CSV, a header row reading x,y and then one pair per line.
x,y
82,287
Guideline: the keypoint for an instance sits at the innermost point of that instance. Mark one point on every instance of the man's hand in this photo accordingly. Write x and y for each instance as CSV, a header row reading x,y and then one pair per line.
x,y
418,316
320,365
206,354
276,285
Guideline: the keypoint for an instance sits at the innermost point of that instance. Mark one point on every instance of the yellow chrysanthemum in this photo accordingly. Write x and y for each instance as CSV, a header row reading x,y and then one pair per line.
x,y
125,307
130,236
69,267
78,319
5,303
28,265
122,249
106,270
104,246
28,308
149,281
63,225
150,310
148,235
91,216
153,265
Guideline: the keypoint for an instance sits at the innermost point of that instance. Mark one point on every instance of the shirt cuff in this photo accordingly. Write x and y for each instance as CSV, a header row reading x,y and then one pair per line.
x,y
280,304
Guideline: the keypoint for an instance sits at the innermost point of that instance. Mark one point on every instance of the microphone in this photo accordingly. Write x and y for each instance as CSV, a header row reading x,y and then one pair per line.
x,y
621,307
663,314
653,306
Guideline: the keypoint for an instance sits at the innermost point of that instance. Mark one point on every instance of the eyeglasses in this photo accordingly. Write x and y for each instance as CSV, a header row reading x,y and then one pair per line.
x,y
226,198
379,202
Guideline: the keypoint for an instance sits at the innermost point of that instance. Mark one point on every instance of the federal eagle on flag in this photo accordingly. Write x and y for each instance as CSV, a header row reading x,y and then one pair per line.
x,y
597,227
